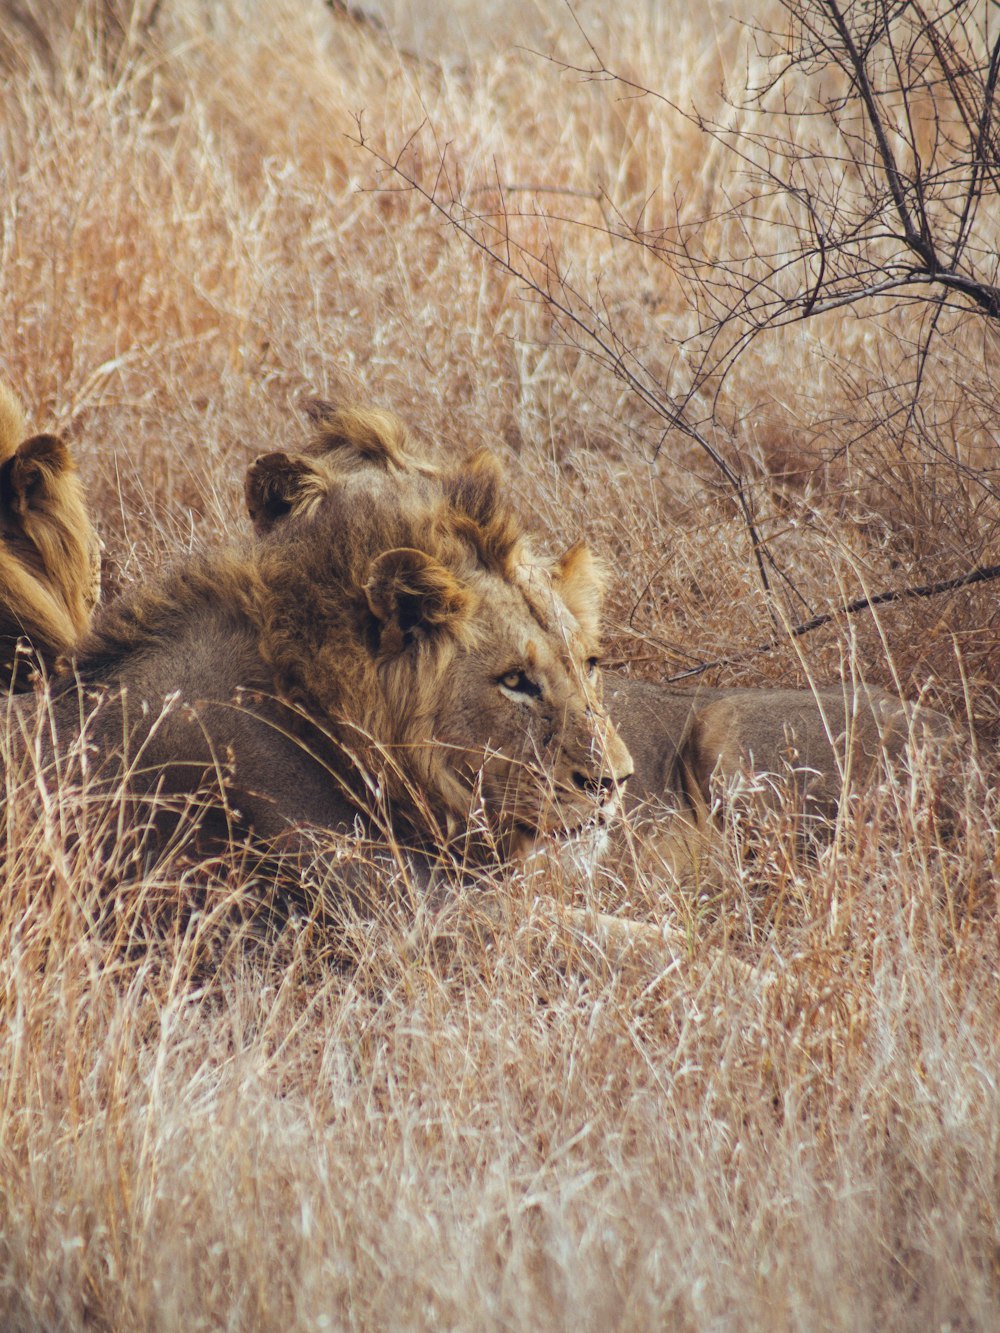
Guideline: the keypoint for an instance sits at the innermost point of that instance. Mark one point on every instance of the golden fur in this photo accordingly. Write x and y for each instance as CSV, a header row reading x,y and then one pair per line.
x,y
400,607
49,552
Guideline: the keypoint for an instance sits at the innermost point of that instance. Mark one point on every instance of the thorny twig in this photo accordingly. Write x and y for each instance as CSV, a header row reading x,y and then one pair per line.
x,y
887,215
925,210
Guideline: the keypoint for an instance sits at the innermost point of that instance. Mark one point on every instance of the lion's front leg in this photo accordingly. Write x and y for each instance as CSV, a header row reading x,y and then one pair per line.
x,y
481,918
638,951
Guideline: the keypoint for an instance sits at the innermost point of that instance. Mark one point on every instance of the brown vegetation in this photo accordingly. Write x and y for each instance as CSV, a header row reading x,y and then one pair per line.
x,y
197,1131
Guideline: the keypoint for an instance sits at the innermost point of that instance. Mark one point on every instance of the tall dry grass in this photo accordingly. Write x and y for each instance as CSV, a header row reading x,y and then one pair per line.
x,y
206,1124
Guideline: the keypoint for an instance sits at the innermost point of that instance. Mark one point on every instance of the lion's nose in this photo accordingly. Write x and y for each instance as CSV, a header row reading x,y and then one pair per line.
x,y
596,784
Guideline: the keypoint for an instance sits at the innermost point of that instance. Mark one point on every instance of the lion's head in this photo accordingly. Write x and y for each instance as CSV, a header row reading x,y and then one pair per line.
x,y
49,551
403,602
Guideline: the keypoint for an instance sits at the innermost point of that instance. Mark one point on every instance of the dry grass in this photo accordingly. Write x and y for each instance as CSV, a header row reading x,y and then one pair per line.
x,y
207,1126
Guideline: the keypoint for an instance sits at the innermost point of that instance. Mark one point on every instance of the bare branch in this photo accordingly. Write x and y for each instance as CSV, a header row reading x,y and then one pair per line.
x,y
982,574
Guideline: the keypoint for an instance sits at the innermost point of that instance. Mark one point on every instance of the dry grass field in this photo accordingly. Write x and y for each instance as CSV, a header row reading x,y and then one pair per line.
x,y
206,1126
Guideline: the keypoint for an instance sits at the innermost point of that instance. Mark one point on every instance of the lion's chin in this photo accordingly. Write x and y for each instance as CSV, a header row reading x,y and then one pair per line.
x,y
582,851
579,849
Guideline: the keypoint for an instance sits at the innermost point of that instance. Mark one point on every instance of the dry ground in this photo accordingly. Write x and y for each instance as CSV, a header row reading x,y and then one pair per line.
x,y
198,1134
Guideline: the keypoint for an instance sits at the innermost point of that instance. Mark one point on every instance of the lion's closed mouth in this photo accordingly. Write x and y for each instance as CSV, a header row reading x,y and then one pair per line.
x,y
565,832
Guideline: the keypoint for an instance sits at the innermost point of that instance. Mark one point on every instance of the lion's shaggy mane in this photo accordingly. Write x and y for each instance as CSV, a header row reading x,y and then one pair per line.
x,y
49,552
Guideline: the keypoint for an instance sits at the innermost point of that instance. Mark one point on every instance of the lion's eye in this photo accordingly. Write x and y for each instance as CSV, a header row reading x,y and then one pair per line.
x,y
519,683
592,664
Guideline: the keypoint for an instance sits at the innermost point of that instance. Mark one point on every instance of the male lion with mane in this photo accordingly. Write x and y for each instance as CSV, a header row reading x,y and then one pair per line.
x,y
50,569
389,651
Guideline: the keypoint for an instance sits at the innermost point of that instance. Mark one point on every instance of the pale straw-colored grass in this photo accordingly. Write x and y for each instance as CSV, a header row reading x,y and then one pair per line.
x,y
208,1124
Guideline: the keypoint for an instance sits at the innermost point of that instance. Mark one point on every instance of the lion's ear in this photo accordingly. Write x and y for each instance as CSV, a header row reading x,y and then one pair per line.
x,y
318,410
410,593
581,579
278,485
360,433
28,474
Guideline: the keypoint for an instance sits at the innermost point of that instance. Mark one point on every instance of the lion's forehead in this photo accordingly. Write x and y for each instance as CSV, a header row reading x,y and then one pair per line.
x,y
546,606
531,622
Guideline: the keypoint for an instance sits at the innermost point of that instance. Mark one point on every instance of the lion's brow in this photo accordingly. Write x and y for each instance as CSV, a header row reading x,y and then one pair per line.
x,y
535,609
